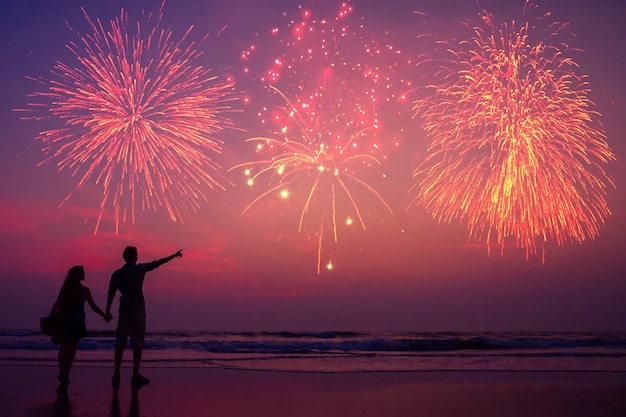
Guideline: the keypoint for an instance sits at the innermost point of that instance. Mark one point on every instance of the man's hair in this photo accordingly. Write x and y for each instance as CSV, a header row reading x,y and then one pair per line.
x,y
130,253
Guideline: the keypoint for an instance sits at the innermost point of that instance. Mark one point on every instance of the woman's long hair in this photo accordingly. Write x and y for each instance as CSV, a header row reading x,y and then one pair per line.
x,y
72,281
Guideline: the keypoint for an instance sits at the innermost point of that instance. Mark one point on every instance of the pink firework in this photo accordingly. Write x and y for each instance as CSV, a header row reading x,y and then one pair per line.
x,y
335,62
323,183
324,129
140,118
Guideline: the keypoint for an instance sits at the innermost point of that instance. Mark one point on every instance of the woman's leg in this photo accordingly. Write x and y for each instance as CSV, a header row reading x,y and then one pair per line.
x,y
67,353
71,354
62,359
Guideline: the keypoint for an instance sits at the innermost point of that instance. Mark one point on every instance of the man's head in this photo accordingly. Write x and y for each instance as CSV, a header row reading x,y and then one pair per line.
x,y
130,254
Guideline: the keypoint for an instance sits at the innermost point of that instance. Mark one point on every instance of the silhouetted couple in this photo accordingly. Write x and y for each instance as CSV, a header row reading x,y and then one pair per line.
x,y
131,322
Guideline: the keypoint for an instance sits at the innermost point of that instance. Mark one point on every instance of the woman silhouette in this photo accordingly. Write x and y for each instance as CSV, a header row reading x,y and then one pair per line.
x,y
70,305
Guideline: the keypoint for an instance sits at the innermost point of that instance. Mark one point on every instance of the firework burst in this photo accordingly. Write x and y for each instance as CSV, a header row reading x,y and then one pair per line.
x,y
516,148
323,180
323,87
335,62
140,118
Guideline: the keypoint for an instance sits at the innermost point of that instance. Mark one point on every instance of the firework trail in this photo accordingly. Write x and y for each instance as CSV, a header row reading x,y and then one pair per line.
x,y
140,118
516,149
321,112
324,179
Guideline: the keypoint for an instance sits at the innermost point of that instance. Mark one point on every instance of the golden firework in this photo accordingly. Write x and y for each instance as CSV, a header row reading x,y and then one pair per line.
x,y
516,149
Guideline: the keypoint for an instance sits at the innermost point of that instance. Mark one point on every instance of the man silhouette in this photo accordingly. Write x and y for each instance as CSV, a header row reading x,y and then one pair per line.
x,y
128,280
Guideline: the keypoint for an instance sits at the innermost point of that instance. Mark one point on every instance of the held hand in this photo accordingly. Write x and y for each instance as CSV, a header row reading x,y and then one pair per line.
x,y
108,317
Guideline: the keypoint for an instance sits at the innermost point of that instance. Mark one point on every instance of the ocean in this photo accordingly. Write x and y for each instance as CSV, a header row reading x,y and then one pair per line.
x,y
338,351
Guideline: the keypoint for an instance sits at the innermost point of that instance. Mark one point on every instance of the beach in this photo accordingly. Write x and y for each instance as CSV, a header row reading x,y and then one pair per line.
x,y
29,391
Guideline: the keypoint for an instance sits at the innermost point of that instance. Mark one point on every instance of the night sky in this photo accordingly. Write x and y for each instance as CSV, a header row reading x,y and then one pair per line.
x,y
253,270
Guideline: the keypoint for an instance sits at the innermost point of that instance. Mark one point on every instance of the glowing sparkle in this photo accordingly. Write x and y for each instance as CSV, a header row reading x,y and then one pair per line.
x,y
516,151
324,139
321,192
140,119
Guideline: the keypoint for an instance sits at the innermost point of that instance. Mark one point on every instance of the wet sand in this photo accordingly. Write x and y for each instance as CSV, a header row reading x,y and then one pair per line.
x,y
30,391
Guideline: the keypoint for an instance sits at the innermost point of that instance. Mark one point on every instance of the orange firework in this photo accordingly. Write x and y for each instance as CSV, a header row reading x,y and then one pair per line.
x,y
516,149
322,179
140,118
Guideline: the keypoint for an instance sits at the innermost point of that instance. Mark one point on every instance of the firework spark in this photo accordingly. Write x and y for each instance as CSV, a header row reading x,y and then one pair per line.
x,y
321,179
336,62
516,149
331,133
140,118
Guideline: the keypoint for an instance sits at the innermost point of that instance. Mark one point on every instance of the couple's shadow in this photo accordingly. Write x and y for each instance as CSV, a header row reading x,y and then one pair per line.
x,y
63,405
134,403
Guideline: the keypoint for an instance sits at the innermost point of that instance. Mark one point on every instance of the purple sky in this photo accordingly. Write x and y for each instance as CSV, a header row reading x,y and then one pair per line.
x,y
245,272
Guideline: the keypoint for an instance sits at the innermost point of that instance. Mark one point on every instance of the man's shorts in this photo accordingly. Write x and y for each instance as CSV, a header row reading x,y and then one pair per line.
x,y
131,323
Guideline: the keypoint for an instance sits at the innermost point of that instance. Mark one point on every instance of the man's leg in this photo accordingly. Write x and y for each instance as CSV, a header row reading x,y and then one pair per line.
x,y
119,355
137,337
137,352
138,380
121,336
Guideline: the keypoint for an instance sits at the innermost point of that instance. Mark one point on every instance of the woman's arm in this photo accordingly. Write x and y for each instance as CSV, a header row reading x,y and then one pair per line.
x,y
94,306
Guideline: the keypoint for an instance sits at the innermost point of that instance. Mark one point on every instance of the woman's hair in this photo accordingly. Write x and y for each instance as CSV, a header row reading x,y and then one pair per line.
x,y
73,278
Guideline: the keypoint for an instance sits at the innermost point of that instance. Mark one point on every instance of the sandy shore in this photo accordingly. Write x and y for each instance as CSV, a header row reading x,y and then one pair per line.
x,y
29,391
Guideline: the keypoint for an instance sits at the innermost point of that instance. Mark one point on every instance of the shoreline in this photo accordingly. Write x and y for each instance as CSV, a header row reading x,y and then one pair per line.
x,y
194,392
127,364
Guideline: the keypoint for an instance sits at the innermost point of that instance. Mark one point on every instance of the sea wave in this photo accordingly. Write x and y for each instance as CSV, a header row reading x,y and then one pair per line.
x,y
302,342
344,350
